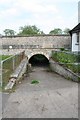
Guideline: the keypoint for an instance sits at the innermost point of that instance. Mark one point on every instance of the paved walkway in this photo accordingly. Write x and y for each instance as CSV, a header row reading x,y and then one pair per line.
x,y
53,97
0,105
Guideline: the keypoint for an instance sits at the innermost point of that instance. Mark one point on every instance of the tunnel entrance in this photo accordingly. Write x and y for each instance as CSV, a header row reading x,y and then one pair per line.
x,y
39,60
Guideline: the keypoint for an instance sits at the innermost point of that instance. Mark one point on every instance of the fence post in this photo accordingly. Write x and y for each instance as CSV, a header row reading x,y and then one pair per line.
x,y
13,62
1,66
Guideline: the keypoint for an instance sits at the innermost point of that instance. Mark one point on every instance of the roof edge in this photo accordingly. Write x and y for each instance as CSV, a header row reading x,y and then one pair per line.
x,y
75,29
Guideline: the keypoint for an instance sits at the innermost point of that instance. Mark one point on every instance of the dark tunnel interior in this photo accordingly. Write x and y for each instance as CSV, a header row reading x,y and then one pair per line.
x,y
39,60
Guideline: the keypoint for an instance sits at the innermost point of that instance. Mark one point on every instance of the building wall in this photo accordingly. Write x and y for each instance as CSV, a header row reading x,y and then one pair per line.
x,y
75,45
79,12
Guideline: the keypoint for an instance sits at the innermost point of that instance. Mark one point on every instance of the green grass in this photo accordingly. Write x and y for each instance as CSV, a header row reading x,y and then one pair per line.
x,y
7,66
68,60
7,69
3,57
0,88
34,82
63,57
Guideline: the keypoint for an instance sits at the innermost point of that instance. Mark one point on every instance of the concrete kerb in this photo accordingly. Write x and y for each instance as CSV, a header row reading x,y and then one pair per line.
x,y
18,73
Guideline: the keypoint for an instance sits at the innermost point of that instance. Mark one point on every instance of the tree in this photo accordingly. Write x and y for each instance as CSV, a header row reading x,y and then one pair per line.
x,y
30,30
56,31
9,32
66,31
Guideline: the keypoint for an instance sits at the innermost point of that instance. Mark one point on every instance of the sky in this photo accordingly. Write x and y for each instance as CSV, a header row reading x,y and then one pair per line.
x,y
45,14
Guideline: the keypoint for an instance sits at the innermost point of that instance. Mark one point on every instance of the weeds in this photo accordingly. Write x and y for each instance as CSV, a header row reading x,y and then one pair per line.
x,y
34,82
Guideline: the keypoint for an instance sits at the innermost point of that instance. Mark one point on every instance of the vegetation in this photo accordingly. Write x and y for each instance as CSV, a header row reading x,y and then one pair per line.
x,y
7,67
33,30
69,60
66,31
3,57
34,82
62,49
30,30
6,71
56,31
0,88
9,32
65,57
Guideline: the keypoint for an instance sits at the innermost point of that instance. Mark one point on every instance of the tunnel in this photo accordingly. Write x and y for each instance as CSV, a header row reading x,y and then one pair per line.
x,y
39,60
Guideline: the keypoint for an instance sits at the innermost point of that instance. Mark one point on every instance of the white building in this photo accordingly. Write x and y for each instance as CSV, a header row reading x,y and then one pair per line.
x,y
79,12
75,34
75,37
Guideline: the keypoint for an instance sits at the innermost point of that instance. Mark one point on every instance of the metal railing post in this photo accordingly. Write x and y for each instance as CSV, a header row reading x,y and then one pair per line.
x,y
13,63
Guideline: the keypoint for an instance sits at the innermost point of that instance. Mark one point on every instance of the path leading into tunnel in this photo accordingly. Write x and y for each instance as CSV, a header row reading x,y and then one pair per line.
x,y
53,97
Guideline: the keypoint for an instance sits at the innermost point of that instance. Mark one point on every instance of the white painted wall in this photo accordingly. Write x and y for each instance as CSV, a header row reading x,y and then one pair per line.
x,y
79,42
79,12
75,46
74,35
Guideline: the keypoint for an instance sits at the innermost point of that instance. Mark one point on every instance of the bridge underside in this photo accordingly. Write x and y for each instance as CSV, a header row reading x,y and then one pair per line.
x,y
39,60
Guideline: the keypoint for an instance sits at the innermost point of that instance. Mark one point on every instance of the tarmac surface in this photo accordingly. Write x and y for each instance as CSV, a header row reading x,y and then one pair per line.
x,y
53,97
0,105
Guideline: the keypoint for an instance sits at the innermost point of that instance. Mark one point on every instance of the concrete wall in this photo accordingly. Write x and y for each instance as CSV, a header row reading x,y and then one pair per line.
x,y
68,74
47,41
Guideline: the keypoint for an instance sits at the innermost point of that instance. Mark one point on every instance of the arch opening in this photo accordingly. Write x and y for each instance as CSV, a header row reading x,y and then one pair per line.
x,y
39,60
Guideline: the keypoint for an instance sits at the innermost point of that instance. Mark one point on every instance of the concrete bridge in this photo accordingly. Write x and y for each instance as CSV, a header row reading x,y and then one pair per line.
x,y
44,52
40,44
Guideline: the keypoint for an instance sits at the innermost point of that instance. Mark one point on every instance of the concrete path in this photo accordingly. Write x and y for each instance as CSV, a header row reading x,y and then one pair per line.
x,y
53,97
0,105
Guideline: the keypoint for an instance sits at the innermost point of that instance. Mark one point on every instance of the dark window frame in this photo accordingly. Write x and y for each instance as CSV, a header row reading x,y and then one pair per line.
x,y
78,37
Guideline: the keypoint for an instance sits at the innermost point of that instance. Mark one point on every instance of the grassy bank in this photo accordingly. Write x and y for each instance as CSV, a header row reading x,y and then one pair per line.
x,y
3,57
68,59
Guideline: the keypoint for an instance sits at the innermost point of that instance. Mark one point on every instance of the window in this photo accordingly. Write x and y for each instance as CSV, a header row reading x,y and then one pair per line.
x,y
78,37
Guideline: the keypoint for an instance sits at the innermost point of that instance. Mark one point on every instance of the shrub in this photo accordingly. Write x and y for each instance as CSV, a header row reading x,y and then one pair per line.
x,y
62,49
34,82
68,59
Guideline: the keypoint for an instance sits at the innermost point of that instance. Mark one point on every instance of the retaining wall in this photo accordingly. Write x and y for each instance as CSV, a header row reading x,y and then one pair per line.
x,y
17,74
63,71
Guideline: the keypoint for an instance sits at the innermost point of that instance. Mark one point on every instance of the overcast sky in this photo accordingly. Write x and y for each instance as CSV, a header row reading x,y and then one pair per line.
x,y
45,14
